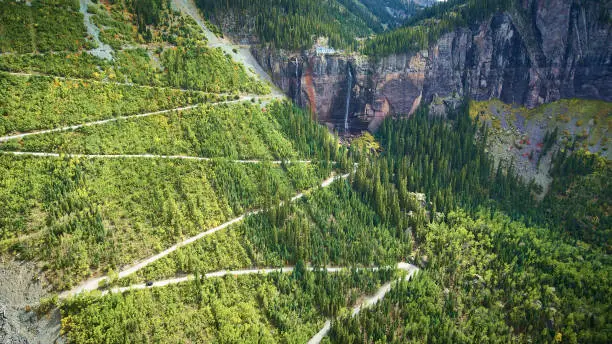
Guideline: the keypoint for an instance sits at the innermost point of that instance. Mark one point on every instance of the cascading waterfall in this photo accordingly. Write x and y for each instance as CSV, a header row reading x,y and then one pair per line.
x,y
296,96
348,99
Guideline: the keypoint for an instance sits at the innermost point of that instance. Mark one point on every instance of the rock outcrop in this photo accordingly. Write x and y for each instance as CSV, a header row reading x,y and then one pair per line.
x,y
542,52
320,82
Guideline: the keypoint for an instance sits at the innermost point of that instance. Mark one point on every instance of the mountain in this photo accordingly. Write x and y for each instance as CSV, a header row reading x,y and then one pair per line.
x,y
519,56
179,171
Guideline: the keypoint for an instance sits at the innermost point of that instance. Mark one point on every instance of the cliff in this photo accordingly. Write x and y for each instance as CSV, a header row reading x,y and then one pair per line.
x,y
541,52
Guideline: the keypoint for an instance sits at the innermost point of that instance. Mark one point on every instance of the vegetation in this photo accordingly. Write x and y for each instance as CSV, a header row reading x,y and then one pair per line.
x,y
279,307
428,25
476,261
32,103
447,162
309,138
42,26
115,27
469,292
209,70
565,117
292,24
148,12
75,65
395,17
364,13
195,68
187,63
331,227
580,197
497,264
237,131
83,216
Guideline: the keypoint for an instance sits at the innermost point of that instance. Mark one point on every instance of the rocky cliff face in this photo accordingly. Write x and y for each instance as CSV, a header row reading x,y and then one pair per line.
x,y
547,50
321,83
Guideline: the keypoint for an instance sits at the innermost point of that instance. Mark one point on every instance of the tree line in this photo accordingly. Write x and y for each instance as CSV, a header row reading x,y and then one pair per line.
x,y
291,24
429,24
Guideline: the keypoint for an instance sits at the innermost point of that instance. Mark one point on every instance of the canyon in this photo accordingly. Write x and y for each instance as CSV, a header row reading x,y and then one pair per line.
x,y
545,51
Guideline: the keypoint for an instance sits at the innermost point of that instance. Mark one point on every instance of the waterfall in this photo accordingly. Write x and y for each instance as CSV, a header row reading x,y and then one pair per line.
x,y
348,99
296,95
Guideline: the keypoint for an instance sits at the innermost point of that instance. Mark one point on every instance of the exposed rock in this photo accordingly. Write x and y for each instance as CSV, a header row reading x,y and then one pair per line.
x,y
20,290
547,50
319,82
421,198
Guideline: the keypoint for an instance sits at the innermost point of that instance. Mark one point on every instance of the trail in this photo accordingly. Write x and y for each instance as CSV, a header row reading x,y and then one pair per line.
x,y
93,283
153,156
243,55
222,273
117,83
114,119
367,302
318,337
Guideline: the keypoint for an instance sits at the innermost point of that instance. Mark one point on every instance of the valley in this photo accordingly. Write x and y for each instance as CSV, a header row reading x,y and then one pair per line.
x,y
297,171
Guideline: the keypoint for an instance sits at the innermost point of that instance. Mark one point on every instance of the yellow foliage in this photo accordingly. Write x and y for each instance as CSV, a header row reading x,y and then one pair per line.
x,y
366,141
563,118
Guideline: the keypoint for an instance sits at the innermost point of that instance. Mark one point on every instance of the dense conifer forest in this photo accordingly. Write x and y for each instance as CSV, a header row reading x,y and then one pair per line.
x,y
154,187
426,26
293,24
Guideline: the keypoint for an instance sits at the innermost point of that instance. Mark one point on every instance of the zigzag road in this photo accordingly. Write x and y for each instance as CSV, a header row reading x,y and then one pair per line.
x,y
318,337
92,284
153,156
222,273
117,83
114,119
367,302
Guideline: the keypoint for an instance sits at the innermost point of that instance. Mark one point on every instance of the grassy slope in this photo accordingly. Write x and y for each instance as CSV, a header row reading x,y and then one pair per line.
x,y
517,133
315,230
83,216
33,103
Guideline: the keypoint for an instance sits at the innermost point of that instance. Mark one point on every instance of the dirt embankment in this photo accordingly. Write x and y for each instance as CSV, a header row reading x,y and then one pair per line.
x,y
21,289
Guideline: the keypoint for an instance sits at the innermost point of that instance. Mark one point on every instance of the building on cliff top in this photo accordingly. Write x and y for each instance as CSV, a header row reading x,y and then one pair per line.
x,y
319,50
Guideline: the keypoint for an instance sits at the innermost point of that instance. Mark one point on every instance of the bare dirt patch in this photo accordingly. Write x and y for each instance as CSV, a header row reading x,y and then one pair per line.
x,y
21,289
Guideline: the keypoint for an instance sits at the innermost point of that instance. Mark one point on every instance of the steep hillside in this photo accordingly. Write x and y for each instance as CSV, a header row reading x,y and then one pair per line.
x,y
156,187
520,55
97,146
529,137
288,24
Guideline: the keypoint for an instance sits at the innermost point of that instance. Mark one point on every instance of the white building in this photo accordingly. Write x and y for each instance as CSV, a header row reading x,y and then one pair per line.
x,y
324,50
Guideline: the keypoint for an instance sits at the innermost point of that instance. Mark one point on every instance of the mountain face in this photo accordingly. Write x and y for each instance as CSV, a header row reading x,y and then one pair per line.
x,y
542,52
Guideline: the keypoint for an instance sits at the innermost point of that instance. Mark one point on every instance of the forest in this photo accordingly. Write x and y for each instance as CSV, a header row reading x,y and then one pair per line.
x,y
427,25
225,131
279,307
74,215
292,24
489,279
448,162
392,13
330,227
44,26
499,260
178,56
32,103
71,213
475,256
